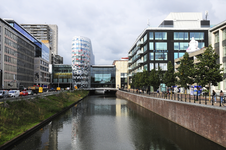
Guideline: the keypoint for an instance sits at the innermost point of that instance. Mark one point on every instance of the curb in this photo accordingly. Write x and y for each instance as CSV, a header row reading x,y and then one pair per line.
x,y
10,144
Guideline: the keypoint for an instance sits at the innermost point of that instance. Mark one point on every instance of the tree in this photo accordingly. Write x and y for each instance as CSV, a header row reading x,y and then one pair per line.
x,y
169,76
208,70
155,78
186,72
145,78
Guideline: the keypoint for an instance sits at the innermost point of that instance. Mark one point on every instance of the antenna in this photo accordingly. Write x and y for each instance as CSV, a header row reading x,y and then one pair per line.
x,y
206,14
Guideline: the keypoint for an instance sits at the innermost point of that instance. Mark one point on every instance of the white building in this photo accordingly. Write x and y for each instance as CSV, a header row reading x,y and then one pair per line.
x,y
82,59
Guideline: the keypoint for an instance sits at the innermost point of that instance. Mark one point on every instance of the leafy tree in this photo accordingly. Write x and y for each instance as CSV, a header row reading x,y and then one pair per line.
x,y
186,71
169,76
208,70
145,78
155,78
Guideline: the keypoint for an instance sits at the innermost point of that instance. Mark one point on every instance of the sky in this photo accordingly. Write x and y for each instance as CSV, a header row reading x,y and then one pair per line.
x,y
112,25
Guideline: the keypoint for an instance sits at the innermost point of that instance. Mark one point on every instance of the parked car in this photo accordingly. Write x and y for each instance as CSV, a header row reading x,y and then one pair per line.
x,y
14,93
23,93
3,94
30,92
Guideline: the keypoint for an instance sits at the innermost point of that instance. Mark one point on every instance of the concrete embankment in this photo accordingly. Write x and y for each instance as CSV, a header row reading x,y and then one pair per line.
x,y
207,121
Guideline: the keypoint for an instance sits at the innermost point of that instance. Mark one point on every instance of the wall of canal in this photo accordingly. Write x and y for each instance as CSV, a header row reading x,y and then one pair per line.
x,y
207,121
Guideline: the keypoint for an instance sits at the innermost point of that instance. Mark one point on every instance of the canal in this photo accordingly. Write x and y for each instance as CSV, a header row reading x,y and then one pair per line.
x,y
102,122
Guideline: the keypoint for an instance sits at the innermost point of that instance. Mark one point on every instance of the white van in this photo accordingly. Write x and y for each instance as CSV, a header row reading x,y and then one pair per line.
x,y
14,93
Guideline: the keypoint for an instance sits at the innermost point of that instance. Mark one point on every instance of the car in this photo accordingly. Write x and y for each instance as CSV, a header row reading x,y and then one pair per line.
x,y
3,94
30,92
14,93
23,93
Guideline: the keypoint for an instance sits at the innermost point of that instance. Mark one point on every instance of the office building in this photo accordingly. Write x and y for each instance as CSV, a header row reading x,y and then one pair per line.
x,y
47,34
157,45
103,76
17,52
82,59
121,72
62,76
218,41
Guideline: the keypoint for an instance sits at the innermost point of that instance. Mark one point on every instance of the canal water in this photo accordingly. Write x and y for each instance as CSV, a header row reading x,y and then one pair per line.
x,y
103,122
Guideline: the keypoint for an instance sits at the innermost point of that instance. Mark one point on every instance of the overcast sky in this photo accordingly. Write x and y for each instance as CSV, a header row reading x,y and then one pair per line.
x,y
111,25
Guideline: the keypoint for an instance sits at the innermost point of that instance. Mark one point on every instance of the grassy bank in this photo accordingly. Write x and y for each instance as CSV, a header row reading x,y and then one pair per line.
x,y
19,116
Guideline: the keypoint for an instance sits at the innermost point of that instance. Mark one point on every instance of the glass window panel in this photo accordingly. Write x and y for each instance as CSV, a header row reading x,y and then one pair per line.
x,y
151,46
224,34
163,66
201,45
145,38
156,66
197,35
145,48
151,36
160,35
145,67
181,54
160,56
151,66
181,45
161,46
151,56
180,35
176,55
224,50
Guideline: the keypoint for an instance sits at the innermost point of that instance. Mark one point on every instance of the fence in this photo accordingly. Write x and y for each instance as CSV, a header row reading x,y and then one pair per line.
x,y
199,99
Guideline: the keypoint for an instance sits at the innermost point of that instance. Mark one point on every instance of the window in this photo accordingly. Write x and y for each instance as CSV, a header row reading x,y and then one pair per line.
x,y
197,35
156,66
180,45
145,38
145,67
145,57
151,46
151,37
178,55
160,46
160,36
224,34
201,45
151,66
160,56
224,51
216,37
151,56
163,66
180,35
145,48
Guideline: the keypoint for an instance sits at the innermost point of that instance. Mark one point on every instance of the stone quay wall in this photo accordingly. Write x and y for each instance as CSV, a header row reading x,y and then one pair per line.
x,y
207,121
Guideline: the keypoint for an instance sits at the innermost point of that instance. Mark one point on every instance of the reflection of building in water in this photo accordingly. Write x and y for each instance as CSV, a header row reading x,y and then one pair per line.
x,y
82,58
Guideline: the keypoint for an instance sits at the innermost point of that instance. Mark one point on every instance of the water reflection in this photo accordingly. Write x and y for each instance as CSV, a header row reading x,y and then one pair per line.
x,y
109,123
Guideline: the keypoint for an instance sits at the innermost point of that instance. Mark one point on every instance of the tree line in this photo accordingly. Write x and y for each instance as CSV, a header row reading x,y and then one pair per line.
x,y
204,73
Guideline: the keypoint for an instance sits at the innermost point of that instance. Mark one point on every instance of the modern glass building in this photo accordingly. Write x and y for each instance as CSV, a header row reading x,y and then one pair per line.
x,y
155,47
62,76
82,59
103,76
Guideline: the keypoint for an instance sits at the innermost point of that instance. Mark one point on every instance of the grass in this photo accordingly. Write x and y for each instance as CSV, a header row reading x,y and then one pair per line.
x,y
19,116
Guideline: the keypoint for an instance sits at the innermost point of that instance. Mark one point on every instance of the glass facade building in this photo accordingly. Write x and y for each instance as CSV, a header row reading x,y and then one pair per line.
x,y
103,76
82,59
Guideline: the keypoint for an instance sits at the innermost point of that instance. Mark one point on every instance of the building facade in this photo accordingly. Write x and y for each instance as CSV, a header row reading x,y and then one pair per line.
x,y
155,47
17,56
103,76
218,41
62,76
121,72
82,59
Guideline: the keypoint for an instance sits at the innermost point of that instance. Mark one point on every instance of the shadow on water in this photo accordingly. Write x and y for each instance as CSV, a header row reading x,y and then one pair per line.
x,y
103,122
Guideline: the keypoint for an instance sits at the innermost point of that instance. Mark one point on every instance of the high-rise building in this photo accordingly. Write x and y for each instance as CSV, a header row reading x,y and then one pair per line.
x,y
156,46
82,59
17,52
46,33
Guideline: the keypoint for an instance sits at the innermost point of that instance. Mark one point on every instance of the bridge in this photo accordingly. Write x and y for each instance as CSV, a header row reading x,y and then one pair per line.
x,y
101,90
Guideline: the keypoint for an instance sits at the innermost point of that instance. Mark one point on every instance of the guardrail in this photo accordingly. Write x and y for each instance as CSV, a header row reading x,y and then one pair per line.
x,y
199,99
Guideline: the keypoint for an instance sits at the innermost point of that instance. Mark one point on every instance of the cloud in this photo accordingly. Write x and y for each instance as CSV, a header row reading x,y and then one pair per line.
x,y
112,26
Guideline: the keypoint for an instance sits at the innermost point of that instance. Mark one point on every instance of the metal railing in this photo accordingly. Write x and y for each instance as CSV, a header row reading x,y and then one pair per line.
x,y
199,99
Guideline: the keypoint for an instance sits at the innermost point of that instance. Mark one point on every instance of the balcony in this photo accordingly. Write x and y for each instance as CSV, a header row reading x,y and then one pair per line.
x,y
130,61
139,43
130,54
140,61
139,52
139,70
130,75
130,68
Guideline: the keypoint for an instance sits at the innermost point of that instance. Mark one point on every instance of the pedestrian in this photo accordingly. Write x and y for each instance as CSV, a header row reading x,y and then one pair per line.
x,y
221,96
214,96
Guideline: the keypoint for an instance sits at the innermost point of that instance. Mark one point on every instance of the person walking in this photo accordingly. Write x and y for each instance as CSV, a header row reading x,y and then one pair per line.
x,y
221,96
214,96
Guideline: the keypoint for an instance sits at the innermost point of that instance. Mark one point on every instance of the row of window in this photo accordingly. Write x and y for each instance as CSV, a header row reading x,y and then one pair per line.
x,y
44,68
177,36
163,66
44,63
